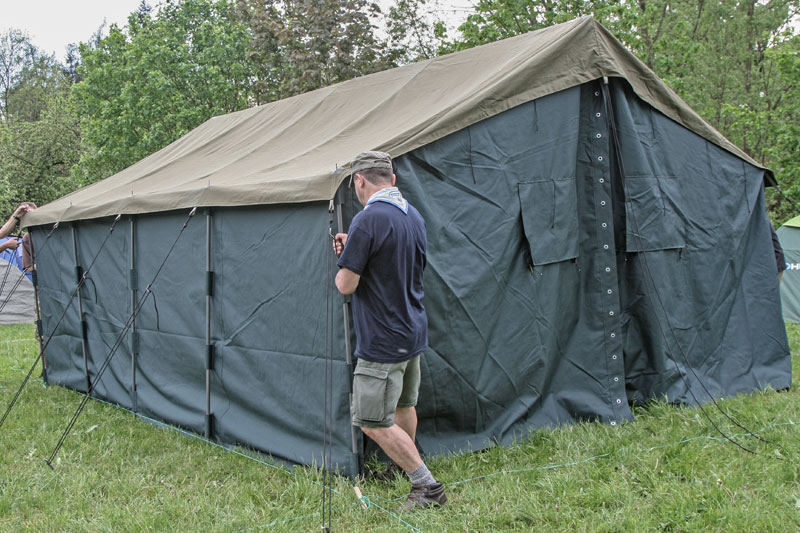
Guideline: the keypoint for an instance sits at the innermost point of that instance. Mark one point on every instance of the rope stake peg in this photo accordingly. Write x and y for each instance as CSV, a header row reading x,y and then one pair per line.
x,y
360,497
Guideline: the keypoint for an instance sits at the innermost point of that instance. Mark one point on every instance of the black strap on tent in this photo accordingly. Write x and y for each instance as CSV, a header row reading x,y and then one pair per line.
x,y
140,303
346,304
648,277
209,345
133,339
63,314
327,429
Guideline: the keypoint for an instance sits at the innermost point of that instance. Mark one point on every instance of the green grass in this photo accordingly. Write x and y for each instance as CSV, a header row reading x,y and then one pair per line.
x,y
119,473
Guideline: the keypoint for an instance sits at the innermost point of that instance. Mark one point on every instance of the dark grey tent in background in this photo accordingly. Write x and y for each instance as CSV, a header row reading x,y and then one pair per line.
x,y
557,289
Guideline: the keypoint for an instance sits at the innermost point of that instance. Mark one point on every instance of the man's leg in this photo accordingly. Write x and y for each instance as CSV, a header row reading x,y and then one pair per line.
x,y
425,490
397,444
406,418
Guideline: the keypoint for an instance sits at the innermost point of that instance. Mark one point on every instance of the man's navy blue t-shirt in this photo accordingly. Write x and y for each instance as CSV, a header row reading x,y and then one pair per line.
x,y
386,247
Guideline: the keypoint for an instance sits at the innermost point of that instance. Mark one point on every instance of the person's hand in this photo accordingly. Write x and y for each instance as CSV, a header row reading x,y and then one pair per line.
x,y
21,210
338,242
11,244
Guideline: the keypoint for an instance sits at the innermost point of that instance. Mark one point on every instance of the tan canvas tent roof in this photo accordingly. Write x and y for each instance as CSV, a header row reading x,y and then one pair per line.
x,y
297,149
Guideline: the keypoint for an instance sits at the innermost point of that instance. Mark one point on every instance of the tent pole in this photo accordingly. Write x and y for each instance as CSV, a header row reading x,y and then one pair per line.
x,y
36,308
81,321
134,345
209,344
346,322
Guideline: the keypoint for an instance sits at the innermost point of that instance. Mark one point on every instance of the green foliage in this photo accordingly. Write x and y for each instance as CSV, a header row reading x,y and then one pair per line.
x,y
300,46
666,471
39,80
143,87
39,138
36,156
16,53
415,30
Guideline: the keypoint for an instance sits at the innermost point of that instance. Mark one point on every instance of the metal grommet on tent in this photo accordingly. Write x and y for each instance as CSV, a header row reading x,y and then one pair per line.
x,y
608,269
597,93
605,247
601,179
614,357
600,158
602,202
613,335
599,135
616,378
619,401
604,224
611,313
597,115
610,291
613,422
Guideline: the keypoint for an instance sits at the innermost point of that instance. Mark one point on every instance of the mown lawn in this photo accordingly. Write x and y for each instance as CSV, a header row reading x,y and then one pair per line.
x,y
667,471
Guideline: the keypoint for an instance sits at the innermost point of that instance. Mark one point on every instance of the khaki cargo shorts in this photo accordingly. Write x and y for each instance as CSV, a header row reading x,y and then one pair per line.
x,y
380,388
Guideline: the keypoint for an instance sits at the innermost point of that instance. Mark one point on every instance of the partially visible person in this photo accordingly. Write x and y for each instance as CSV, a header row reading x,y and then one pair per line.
x,y
381,263
13,243
780,259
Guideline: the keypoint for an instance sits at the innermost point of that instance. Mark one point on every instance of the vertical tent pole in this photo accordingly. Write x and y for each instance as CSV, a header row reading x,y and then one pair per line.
x,y
81,321
209,344
346,321
37,309
133,282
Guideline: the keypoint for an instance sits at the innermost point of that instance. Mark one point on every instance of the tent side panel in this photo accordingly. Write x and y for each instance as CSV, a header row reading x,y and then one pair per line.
x,y
274,269
698,276
57,281
171,323
105,306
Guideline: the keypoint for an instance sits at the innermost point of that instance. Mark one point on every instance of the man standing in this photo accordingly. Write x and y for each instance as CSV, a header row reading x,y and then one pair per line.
x,y
381,262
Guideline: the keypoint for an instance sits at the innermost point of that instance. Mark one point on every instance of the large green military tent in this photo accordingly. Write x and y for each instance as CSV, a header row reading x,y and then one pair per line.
x,y
592,242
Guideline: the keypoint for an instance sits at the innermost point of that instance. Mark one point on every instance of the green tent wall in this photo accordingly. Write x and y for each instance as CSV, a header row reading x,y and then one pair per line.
x,y
557,289
789,237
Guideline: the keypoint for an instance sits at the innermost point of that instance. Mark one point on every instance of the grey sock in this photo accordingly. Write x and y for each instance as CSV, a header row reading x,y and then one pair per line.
x,y
421,476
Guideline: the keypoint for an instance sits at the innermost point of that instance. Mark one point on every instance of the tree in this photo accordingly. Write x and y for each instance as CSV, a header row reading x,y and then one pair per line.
x,y
16,52
416,31
41,78
36,156
144,86
301,45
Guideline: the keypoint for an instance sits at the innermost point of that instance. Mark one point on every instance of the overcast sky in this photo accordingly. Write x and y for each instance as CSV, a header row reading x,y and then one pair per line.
x,y
53,24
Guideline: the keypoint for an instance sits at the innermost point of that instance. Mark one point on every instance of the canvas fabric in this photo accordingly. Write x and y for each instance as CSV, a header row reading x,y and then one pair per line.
x,y
297,149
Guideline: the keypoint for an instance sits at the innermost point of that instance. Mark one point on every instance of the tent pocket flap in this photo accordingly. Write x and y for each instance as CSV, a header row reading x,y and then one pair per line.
x,y
550,219
654,221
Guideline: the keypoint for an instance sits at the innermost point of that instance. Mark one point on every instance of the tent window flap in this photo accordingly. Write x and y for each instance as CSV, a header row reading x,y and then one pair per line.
x,y
550,219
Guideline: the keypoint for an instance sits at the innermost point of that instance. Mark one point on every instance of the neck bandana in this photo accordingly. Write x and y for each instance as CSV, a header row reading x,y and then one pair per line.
x,y
390,195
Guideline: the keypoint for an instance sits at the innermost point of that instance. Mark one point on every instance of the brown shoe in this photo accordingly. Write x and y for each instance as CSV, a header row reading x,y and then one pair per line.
x,y
423,496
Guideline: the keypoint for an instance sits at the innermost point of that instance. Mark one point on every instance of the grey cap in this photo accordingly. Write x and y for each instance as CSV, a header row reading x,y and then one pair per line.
x,y
366,160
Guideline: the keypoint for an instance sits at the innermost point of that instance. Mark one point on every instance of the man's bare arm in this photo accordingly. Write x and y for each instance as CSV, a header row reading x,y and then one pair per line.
x,y
347,281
